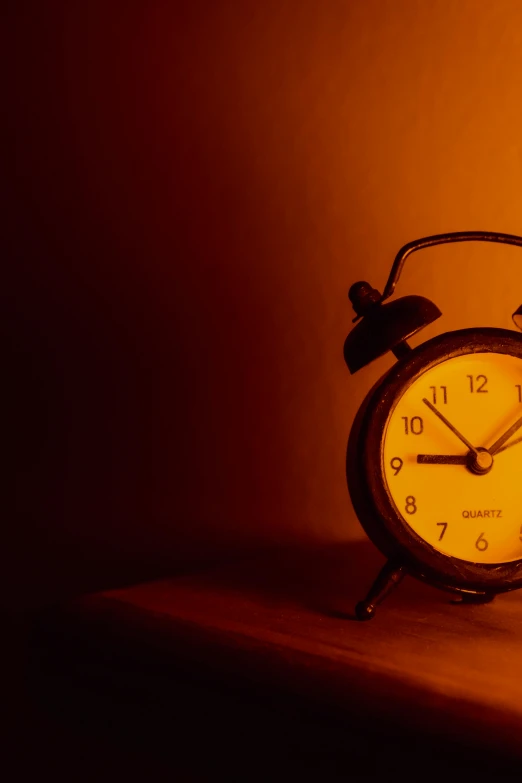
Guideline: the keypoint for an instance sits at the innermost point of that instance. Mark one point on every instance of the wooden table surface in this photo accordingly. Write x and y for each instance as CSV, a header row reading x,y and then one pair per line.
x,y
284,620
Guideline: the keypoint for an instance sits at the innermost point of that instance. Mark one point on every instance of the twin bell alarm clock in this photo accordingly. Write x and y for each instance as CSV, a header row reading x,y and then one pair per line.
x,y
434,458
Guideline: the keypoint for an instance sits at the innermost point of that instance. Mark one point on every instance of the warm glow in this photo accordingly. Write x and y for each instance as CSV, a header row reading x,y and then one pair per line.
x,y
469,516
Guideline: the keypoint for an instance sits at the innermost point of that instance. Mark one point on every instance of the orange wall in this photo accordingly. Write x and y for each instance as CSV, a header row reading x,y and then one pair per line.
x,y
194,190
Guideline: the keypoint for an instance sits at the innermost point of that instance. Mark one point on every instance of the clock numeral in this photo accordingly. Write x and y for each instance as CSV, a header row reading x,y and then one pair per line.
x,y
518,387
520,534
444,526
414,425
410,506
481,543
396,464
444,390
477,383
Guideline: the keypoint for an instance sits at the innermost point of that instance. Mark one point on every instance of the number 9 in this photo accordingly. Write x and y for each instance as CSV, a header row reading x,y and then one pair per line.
x,y
396,465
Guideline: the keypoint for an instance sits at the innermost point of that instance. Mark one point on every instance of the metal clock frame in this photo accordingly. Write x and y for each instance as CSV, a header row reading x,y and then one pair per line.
x,y
385,526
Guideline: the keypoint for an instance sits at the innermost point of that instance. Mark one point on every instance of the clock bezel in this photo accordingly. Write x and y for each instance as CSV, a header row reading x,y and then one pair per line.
x,y
365,467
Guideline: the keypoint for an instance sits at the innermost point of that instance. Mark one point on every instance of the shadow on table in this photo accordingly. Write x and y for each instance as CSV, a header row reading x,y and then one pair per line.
x,y
328,579
119,679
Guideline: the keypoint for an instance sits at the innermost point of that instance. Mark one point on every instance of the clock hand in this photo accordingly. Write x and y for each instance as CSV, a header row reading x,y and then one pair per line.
x,y
457,459
508,445
503,438
451,427
442,459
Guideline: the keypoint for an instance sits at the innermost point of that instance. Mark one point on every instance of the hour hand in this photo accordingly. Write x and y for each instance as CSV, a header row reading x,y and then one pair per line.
x,y
441,459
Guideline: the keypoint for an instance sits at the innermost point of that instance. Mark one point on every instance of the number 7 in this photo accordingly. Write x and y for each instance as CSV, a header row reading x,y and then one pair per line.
x,y
444,525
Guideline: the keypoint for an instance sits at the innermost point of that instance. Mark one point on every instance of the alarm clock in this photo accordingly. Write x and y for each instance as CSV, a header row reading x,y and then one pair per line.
x,y
434,457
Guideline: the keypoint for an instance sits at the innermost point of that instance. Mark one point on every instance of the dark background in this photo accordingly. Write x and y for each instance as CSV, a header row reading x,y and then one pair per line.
x,y
191,189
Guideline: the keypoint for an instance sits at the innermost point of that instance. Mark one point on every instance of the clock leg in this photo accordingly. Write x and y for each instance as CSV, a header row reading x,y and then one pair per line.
x,y
388,578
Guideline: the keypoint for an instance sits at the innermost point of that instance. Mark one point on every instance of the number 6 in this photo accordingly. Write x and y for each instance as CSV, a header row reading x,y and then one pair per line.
x,y
481,543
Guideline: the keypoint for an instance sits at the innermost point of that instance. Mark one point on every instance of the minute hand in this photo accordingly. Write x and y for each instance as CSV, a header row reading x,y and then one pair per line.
x,y
506,436
451,427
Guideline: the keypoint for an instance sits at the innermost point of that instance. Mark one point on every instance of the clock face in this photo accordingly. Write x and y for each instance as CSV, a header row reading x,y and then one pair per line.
x,y
464,502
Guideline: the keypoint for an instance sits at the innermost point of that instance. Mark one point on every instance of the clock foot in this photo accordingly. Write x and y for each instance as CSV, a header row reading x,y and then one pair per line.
x,y
388,578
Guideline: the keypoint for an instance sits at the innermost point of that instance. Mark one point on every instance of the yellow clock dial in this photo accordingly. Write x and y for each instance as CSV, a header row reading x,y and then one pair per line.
x,y
450,475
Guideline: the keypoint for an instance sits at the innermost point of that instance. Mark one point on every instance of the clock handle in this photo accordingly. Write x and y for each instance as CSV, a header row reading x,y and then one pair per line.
x,y
442,239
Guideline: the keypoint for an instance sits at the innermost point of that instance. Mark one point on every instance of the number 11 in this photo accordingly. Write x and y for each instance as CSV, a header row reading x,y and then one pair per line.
x,y
444,394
